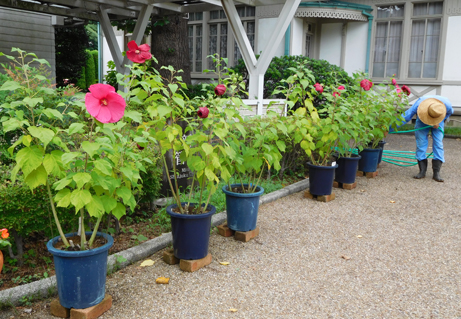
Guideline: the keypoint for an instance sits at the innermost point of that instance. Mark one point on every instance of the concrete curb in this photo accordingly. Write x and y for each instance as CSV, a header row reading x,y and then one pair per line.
x,y
47,287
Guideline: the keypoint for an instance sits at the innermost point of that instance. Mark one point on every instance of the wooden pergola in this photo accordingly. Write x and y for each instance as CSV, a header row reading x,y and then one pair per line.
x,y
105,11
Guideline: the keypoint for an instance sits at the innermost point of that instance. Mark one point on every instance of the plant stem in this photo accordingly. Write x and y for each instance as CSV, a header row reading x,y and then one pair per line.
x,y
55,215
82,228
95,230
176,196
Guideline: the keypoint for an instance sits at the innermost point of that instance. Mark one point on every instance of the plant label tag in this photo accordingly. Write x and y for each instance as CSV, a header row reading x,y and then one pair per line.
x,y
333,164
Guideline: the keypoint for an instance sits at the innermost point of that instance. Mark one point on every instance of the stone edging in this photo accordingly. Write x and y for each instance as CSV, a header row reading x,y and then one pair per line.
x,y
47,287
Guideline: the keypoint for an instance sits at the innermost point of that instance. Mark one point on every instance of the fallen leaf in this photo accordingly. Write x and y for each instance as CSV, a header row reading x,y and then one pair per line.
x,y
233,310
359,236
224,263
392,201
147,262
162,280
345,257
362,190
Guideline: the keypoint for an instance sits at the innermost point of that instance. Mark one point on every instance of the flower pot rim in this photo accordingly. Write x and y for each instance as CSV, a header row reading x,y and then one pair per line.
x,y
354,156
80,253
323,166
170,212
255,194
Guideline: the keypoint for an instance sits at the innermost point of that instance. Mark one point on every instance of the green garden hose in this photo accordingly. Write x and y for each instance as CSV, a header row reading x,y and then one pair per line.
x,y
389,158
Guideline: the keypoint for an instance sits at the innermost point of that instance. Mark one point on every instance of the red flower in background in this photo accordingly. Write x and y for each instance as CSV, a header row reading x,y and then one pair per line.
x,y
406,90
394,82
341,87
220,89
4,234
138,54
104,104
203,112
318,87
366,84
336,94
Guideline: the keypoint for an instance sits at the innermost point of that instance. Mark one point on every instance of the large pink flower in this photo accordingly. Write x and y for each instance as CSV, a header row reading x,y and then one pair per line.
x,y
104,104
318,87
366,84
138,54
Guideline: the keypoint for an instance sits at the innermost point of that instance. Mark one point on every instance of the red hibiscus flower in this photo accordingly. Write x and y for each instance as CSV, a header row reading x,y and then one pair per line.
x,y
318,87
138,54
104,104
336,94
220,89
366,84
203,112
406,90
4,234
341,87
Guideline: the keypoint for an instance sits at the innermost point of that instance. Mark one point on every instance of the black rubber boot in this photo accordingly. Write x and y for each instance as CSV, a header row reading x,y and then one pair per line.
x,y
436,166
422,169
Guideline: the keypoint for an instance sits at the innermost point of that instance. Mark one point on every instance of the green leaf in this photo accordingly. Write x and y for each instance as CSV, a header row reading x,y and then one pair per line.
x,y
195,163
119,211
36,178
164,110
62,198
207,148
52,114
75,128
124,193
32,102
81,179
173,87
29,159
11,125
51,163
108,202
62,183
69,157
128,172
134,115
45,135
103,166
95,207
107,182
79,198
281,145
10,86
90,147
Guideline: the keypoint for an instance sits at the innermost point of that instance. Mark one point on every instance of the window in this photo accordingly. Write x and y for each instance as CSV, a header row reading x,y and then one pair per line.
x,y
250,31
218,35
388,39
425,38
195,31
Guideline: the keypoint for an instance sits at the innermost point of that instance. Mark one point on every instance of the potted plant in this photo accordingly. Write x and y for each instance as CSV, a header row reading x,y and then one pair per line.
x,y
86,156
201,144
3,244
320,128
380,109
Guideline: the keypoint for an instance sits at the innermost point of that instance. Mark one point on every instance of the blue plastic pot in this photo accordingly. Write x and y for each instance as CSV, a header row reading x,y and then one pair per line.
x,y
242,208
81,275
347,169
369,161
321,179
191,233
381,147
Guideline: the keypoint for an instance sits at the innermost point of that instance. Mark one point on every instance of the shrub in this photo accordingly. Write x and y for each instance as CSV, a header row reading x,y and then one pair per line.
x,y
81,83
90,73
281,68
95,55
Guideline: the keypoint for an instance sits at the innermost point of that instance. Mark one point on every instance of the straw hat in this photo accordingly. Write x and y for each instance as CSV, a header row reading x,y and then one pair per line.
x,y
431,111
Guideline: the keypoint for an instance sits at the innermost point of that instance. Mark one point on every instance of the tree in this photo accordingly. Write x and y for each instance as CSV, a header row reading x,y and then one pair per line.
x,y
170,45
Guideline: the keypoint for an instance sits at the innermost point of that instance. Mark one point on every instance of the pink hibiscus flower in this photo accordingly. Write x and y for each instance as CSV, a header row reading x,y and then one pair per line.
x,y
341,87
394,82
138,54
203,112
220,89
318,87
366,84
104,104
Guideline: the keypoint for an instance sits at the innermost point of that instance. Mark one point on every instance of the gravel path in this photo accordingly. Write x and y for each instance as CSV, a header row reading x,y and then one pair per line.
x,y
388,249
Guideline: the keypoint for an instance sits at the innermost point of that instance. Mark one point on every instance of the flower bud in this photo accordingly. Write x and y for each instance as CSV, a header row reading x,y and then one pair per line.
x,y
406,89
318,87
220,90
394,82
203,112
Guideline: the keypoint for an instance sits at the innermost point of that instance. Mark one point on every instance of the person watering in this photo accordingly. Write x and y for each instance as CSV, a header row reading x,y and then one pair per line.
x,y
431,110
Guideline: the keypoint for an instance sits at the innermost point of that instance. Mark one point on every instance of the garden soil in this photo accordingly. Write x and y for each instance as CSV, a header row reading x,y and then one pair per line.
x,y
390,248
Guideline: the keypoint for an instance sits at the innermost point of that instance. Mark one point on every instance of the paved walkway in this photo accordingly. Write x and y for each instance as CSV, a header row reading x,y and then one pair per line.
x,y
391,248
